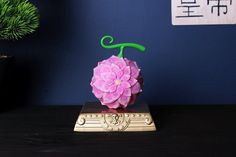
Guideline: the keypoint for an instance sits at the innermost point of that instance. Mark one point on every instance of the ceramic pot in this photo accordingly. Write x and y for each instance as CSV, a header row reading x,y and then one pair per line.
x,y
5,71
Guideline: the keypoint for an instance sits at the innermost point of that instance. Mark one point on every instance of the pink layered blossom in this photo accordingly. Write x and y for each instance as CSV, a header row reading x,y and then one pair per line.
x,y
116,82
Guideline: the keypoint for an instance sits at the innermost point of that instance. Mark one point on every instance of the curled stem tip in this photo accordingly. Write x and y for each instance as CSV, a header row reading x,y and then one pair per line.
x,y
121,46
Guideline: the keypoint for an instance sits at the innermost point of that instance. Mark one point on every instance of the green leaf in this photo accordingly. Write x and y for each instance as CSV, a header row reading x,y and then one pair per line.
x,y
17,19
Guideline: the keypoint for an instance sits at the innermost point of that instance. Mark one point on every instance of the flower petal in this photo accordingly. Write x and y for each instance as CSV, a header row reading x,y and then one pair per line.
x,y
113,105
101,85
119,74
115,68
106,87
112,88
124,100
110,97
105,68
113,59
97,92
110,82
132,81
120,89
134,72
136,88
125,84
121,63
127,92
96,72
125,77
92,81
126,70
108,76
133,64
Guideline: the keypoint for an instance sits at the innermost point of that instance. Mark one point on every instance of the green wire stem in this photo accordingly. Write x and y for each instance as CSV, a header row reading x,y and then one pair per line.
x,y
121,46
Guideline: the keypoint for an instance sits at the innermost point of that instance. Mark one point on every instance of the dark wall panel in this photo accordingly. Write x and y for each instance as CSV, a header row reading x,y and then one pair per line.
x,y
182,64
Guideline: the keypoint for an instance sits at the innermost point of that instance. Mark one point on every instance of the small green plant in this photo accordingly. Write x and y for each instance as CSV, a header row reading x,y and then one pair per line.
x,y
17,19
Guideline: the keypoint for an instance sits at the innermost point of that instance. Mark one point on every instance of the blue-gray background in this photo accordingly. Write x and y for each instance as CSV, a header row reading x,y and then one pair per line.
x,y
182,64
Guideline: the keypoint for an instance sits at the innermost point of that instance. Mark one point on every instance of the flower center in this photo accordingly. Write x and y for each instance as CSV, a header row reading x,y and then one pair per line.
x,y
117,82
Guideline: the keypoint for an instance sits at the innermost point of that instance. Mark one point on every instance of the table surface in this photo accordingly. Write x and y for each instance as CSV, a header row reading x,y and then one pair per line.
x,y
191,131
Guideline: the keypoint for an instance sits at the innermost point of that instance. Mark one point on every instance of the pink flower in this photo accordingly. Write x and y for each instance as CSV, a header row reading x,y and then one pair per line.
x,y
116,82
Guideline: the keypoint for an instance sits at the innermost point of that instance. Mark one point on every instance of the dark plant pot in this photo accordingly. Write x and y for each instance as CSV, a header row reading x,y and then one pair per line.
x,y
5,72
5,62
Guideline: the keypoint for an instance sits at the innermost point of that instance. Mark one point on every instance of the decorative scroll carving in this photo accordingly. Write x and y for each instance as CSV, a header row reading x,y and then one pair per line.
x,y
115,122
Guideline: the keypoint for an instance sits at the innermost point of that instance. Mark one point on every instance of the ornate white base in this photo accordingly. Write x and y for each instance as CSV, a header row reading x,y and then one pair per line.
x,y
97,118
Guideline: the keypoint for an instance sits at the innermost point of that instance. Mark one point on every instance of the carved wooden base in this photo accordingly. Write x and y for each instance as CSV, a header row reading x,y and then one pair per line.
x,y
97,118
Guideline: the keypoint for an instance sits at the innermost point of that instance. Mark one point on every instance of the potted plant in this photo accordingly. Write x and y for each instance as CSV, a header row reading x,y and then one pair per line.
x,y
18,18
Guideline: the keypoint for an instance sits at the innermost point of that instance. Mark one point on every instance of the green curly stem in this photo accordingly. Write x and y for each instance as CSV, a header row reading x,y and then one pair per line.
x,y
120,46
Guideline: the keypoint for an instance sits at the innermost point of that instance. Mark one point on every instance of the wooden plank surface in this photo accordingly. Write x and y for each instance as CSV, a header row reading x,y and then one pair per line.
x,y
191,131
